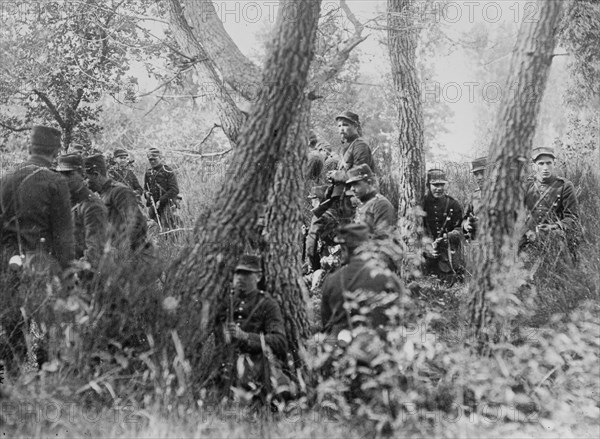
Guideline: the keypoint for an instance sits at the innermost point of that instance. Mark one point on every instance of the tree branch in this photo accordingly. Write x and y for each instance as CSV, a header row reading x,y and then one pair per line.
x,y
16,130
51,107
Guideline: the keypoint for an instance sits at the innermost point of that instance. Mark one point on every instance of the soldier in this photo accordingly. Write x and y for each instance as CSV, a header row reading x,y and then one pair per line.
x,y
442,223
473,211
253,328
35,206
127,224
357,273
551,203
162,191
89,212
122,173
375,210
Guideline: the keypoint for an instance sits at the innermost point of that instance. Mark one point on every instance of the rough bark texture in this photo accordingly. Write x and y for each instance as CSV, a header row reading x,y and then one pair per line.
x,y
284,226
229,114
201,275
510,150
402,46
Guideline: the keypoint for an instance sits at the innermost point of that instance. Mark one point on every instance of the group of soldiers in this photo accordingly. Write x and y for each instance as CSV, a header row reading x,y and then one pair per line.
x,y
57,209
74,210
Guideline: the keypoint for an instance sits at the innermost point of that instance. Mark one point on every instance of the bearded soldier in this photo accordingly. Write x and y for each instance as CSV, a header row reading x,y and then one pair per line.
x,y
551,203
89,212
442,223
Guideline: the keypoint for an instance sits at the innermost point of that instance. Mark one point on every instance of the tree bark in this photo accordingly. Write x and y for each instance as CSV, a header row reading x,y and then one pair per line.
x,y
229,114
402,46
203,272
510,151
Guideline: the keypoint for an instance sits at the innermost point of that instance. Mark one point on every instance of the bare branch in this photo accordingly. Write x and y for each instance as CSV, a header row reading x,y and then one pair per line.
x,y
14,129
51,107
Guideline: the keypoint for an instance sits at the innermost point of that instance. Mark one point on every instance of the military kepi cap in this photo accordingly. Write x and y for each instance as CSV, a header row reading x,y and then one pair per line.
x,y
95,163
349,116
358,173
120,153
353,234
479,164
70,162
249,263
436,176
44,140
542,150
154,152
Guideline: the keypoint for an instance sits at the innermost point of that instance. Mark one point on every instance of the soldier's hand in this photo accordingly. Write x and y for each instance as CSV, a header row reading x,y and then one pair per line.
x,y
530,235
235,332
336,176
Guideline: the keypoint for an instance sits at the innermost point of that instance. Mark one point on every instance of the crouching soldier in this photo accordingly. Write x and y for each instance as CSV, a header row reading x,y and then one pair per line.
x,y
254,334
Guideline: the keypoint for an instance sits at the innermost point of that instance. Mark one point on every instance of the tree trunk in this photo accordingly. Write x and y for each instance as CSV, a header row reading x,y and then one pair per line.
x,y
510,151
402,46
202,274
283,259
229,114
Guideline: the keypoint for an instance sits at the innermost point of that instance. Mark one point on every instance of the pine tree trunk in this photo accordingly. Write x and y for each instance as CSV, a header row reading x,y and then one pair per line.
x,y
284,226
510,150
229,114
402,46
202,274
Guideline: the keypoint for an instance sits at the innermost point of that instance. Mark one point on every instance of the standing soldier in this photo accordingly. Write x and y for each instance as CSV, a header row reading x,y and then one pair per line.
x,y
89,212
35,206
442,223
375,210
253,330
122,173
551,203
162,191
473,212
127,224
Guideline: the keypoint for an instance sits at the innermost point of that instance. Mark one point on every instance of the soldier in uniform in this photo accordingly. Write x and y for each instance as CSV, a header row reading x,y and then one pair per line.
x,y
162,191
127,225
35,206
357,273
122,173
375,210
473,211
442,223
89,212
551,203
253,328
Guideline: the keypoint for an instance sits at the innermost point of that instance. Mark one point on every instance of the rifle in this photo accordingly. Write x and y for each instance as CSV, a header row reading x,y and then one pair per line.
x,y
229,342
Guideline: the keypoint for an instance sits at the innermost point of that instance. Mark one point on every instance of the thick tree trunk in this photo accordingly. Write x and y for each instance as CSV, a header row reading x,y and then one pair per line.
x,y
229,114
284,227
201,275
402,46
510,151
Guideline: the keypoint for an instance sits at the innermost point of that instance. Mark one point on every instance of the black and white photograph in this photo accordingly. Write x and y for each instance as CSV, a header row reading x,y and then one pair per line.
x,y
300,219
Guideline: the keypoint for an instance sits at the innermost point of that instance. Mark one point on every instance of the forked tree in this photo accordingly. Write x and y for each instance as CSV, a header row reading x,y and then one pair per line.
x,y
510,150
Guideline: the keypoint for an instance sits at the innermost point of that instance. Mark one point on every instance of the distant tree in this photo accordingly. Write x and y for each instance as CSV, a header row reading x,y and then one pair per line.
x,y
510,148
61,58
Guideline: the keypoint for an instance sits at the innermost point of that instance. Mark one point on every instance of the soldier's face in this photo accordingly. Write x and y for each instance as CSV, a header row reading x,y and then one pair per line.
x,y
154,160
245,281
361,189
347,130
479,178
438,189
92,181
544,167
122,161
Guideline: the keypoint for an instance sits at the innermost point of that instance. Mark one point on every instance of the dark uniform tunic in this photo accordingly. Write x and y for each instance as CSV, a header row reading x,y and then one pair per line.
x,y
161,182
356,275
39,198
127,177
378,214
553,203
127,223
91,223
473,212
443,216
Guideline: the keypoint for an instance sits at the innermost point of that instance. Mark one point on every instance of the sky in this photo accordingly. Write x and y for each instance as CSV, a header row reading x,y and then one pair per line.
x,y
246,20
